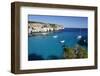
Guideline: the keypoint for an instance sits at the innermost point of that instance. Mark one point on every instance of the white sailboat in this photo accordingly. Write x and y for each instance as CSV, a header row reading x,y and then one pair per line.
x,y
79,36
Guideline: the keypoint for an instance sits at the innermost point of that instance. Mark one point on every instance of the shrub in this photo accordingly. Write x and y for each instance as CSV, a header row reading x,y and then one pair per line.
x,y
69,53
77,52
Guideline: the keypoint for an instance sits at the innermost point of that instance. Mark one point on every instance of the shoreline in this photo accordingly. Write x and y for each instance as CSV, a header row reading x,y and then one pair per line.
x,y
48,32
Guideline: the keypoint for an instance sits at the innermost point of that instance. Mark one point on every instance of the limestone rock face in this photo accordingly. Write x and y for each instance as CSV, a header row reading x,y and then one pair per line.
x,y
43,27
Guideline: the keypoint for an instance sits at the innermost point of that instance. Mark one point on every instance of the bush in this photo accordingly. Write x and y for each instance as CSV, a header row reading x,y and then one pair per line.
x,y
77,52
82,53
69,53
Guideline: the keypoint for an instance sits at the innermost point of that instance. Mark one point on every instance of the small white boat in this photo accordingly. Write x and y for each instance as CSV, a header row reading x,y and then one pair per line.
x,y
55,36
62,41
44,33
84,40
79,37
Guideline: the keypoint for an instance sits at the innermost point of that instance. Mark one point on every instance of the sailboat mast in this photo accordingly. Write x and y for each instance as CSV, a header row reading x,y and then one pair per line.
x,y
80,31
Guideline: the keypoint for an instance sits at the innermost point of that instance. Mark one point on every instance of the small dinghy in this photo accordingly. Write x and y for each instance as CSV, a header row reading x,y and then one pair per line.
x,y
84,40
62,41
44,33
55,36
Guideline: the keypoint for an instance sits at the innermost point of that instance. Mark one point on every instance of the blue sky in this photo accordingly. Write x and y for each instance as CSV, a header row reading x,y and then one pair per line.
x,y
66,21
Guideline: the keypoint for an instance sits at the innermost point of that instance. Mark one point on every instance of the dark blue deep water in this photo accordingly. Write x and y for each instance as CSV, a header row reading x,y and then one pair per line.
x,y
47,46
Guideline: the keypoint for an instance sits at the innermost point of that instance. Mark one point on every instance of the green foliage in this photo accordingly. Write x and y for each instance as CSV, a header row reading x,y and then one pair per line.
x,y
69,53
53,25
82,53
77,52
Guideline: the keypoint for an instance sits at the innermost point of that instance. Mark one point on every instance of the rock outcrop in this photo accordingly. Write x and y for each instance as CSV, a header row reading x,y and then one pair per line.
x,y
40,27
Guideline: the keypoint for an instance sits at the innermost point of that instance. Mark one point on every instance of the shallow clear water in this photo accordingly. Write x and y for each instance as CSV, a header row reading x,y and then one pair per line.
x,y
50,45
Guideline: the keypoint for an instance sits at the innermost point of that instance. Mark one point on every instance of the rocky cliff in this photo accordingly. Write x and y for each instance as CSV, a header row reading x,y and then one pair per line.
x,y
35,27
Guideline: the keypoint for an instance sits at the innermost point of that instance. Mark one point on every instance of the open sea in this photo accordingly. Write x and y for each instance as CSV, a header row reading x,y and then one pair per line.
x,y
46,46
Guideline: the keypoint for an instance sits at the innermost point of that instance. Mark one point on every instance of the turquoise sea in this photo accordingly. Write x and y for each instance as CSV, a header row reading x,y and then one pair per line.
x,y
44,47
